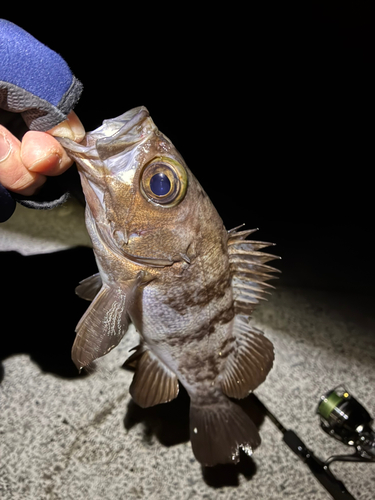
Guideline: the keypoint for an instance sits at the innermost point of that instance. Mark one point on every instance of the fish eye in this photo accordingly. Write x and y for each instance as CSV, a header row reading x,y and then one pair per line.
x,y
160,184
164,181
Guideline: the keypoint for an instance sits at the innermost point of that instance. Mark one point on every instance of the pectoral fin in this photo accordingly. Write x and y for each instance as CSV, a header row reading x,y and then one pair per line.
x,y
153,382
89,287
104,323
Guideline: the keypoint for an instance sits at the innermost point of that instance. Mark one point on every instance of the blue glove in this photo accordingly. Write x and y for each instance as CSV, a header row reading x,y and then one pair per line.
x,y
36,82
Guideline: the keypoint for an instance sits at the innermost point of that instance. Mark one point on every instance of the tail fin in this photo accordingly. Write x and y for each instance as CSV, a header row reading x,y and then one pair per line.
x,y
217,433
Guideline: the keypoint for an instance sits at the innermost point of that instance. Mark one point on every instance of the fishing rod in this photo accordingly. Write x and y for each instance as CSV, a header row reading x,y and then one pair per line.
x,y
345,419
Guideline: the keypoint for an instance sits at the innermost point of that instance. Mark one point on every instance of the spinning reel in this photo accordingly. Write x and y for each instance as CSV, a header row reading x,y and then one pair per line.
x,y
345,419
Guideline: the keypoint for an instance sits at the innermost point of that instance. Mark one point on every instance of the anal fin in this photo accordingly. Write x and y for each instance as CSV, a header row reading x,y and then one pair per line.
x,y
153,382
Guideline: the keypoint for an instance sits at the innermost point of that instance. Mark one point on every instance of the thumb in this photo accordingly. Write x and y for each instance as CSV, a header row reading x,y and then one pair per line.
x,y
71,128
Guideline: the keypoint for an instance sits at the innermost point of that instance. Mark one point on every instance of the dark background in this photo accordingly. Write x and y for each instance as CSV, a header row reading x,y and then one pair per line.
x,y
271,107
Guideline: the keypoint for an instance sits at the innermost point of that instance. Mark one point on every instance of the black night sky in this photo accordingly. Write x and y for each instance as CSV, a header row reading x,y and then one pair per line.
x,y
271,107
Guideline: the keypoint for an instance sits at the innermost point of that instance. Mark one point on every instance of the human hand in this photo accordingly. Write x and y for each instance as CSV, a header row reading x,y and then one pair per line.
x,y
37,83
25,165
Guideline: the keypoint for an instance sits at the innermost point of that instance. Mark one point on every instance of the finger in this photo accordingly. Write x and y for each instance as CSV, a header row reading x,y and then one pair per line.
x,y
71,128
43,154
13,173
24,166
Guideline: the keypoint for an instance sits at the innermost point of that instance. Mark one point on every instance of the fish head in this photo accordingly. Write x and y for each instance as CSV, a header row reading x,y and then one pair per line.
x,y
141,197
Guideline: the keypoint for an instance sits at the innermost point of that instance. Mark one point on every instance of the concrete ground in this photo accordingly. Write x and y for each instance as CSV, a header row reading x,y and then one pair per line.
x,y
64,436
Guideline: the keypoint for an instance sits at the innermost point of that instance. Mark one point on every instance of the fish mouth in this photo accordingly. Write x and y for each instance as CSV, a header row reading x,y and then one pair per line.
x,y
148,261
120,237
155,261
112,137
117,241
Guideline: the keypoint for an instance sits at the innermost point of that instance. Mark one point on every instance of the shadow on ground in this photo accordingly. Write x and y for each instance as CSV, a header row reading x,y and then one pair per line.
x,y
39,307
169,423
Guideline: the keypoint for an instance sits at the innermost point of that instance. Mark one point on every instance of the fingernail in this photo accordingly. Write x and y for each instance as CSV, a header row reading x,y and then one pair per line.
x,y
5,148
44,164
77,128
63,131
71,128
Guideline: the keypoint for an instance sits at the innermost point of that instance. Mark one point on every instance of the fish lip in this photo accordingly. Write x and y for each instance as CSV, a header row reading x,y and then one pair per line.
x,y
148,261
97,146
106,146
138,259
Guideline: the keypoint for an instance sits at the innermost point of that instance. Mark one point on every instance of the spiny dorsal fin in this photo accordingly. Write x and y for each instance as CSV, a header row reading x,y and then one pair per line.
x,y
89,287
237,254
247,245
153,382
249,270
234,234
249,362
104,323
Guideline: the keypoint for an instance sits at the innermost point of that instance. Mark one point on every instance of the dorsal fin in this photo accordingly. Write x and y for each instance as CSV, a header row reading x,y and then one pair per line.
x,y
153,382
234,234
249,270
247,245
248,362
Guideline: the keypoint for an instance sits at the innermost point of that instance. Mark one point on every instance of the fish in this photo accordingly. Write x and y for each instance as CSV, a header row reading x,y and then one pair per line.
x,y
167,264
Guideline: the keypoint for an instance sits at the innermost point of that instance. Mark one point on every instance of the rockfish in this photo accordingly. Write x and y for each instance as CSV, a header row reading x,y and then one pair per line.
x,y
168,265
